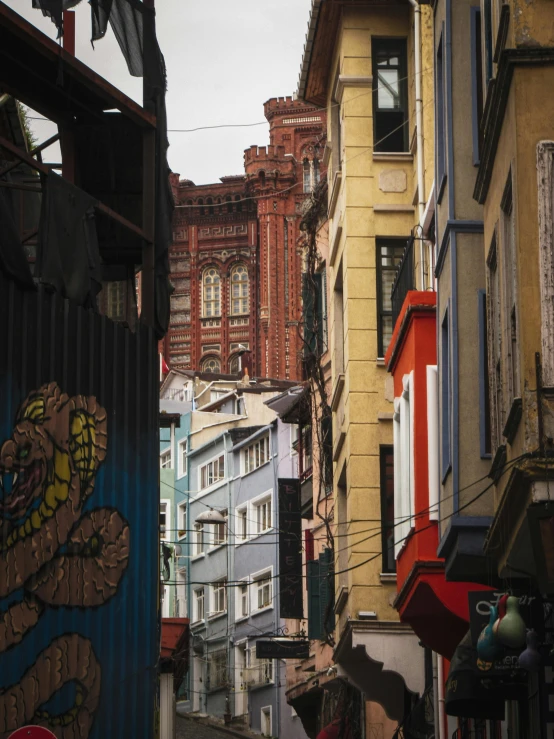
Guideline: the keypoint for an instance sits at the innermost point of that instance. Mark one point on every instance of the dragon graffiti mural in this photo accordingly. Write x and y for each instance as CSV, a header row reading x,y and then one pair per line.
x,y
53,553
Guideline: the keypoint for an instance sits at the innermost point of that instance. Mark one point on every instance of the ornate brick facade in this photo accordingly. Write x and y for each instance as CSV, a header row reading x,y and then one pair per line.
x,y
236,257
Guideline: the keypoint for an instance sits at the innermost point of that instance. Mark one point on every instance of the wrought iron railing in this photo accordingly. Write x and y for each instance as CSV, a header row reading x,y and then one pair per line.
x,y
404,280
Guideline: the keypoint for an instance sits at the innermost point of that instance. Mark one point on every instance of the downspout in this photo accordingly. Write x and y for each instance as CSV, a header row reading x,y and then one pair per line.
x,y
440,680
273,435
419,131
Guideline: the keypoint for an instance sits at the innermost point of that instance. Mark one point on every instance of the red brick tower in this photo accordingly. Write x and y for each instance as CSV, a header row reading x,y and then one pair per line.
x,y
236,258
281,176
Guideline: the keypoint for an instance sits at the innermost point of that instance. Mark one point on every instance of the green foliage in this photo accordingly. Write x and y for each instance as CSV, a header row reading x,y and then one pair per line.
x,y
30,137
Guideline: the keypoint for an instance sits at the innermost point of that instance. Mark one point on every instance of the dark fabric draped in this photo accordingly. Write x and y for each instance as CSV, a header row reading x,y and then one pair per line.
x,y
13,262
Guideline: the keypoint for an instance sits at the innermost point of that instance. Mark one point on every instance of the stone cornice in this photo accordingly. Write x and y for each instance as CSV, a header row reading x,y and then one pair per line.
x,y
495,108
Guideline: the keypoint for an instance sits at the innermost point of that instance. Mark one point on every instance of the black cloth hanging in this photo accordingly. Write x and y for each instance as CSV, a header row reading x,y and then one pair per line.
x,y
13,262
54,9
68,258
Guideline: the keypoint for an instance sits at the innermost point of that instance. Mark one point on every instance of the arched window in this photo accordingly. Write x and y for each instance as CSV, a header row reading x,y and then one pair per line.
x,y
234,365
316,172
211,364
229,204
261,175
210,204
201,206
239,289
212,293
307,178
218,203
238,202
189,207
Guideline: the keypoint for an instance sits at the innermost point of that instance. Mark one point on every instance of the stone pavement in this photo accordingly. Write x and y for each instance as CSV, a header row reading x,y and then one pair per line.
x,y
187,729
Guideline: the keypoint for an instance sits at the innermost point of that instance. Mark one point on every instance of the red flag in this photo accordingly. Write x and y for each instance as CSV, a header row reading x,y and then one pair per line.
x,y
165,368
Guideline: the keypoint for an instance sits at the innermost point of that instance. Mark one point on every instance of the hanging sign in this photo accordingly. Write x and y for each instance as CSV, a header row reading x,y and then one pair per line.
x,y
290,549
282,649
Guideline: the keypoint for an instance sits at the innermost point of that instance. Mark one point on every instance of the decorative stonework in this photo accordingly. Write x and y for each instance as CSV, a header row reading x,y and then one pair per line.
x,y
545,168
214,232
393,180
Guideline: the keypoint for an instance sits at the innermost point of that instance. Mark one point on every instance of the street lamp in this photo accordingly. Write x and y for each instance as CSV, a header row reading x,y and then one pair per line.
x,y
211,516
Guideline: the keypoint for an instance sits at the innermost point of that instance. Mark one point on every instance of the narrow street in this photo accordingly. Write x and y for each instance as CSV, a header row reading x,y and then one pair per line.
x,y
187,729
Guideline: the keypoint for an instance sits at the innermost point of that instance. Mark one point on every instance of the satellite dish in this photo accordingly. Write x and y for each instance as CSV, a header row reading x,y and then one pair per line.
x,y
178,550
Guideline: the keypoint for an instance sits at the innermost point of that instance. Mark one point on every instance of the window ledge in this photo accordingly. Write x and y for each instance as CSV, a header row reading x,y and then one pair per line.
x,y
380,361
257,536
387,576
200,622
337,392
241,619
216,548
195,557
217,615
245,474
214,486
334,193
261,610
393,156
259,686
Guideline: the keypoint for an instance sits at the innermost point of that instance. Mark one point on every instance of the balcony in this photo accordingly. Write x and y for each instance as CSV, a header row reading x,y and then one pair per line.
x,y
404,280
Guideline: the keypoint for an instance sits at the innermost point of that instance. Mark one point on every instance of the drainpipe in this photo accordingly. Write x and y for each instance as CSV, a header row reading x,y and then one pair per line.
x,y
419,127
440,680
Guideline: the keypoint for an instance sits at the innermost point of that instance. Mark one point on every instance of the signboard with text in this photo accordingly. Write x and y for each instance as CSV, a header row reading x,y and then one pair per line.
x,y
290,549
282,649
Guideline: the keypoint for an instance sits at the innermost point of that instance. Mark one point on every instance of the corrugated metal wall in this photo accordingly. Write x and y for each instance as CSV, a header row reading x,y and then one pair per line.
x,y
78,520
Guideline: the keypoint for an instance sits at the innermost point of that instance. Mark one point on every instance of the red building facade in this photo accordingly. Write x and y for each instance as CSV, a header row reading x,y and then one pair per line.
x,y
236,257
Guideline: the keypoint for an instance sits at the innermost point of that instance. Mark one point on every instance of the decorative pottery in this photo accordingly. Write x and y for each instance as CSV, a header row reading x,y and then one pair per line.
x,y
488,648
511,631
501,608
530,658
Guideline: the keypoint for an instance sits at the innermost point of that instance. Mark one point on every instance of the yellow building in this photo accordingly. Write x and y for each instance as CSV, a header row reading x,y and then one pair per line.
x,y
372,68
515,182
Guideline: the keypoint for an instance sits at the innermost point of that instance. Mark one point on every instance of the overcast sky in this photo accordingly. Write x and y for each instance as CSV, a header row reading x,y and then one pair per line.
x,y
224,60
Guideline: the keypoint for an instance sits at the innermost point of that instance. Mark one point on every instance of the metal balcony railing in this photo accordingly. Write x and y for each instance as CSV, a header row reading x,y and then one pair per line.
x,y
404,280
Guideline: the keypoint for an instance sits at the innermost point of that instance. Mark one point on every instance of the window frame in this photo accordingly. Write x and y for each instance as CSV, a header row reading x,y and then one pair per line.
x,y
182,461
386,450
440,121
217,540
259,581
401,44
244,299
213,302
182,514
199,599
165,453
243,590
199,540
217,588
165,503
240,520
256,447
255,503
380,244
446,393
217,481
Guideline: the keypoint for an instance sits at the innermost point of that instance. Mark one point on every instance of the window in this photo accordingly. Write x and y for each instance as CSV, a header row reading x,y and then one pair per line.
x,y
183,522
217,669
212,293
182,458
239,290
495,345
440,118
181,601
262,589
265,721
242,601
263,516
212,472
316,173
307,175
242,524
219,597
403,472
220,531
260,671
165,460
510,293
484,390
487,7
229,204
199,613
211,364
386,454
338,304
198,539
164,519
336,137
390,98
306,459
116,301
256,454
476,82
234,365
389,256
445,394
